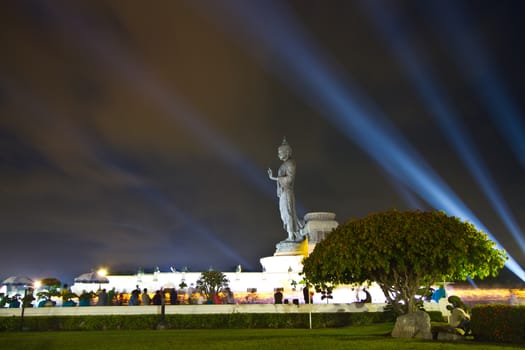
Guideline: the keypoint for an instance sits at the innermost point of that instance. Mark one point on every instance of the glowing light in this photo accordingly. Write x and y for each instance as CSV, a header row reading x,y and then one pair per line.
x,y
102,272
435,97
302,66
308,72
487,295
453,27
173,210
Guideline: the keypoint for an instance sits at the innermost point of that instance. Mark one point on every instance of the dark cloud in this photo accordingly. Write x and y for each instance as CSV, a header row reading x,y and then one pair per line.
x,y
130,134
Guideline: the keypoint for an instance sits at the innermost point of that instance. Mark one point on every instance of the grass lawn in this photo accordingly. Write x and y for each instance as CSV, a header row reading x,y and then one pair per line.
x,y
362,337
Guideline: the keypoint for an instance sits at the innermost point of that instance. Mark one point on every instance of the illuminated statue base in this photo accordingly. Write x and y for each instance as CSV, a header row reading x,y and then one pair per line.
x,y
282,263
289,254
288,248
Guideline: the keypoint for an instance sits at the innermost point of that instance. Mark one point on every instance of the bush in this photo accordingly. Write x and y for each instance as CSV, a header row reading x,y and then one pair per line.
x,y
436,316
499,323
200,321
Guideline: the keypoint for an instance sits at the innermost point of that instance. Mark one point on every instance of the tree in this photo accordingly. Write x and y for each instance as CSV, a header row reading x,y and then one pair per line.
x,y
50,288
211,283
402,252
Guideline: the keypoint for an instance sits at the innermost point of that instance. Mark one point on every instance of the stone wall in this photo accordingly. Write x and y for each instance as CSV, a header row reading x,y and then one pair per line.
x,y
192,309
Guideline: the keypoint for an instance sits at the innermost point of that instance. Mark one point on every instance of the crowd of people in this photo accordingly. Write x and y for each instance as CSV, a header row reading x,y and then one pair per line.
x,y
102,297
138,296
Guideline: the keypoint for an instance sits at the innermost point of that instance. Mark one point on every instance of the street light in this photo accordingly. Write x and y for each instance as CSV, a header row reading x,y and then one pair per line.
x,y
103,273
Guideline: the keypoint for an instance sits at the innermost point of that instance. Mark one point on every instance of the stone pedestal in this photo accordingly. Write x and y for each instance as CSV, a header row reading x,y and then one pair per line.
x,y
287,248
318,225
282,263
288,255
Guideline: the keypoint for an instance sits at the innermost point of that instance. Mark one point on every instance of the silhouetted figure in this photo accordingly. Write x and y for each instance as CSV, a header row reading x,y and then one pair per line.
x,y
174,300
145,297
111,296
134,299
157,298
306,295
102,298
278,297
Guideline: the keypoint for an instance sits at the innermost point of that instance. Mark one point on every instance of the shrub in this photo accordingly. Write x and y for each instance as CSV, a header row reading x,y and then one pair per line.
x,y
188,321
499,323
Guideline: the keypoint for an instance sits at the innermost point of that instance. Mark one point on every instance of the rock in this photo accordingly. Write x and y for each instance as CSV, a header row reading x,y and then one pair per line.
x,y
413,325
446,336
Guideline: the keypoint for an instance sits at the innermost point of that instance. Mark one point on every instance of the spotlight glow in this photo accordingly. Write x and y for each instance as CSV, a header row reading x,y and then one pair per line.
x,y
434,96
453,27
302,65
102,272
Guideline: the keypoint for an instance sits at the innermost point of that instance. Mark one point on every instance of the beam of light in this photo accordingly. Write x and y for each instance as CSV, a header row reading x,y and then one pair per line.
x,y
452,26
172,210
111,164
472,283
434,96
168,207
408,196
301,65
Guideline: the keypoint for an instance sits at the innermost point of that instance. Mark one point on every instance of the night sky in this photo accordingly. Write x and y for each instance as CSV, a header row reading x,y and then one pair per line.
x,y
138,134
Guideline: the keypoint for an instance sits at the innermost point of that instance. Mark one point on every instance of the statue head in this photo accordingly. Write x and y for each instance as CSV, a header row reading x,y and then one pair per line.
x,y
284,151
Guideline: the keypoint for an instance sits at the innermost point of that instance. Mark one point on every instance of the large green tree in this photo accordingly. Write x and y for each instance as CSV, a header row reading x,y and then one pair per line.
x,y
403,252
211,283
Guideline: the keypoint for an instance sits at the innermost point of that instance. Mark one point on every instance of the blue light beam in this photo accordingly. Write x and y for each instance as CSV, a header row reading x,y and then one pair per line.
x,y
453,27
437,101
301,65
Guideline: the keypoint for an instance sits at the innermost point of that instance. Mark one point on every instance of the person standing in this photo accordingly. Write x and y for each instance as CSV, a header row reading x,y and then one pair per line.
x,y
306,295
134,299
173,297
111,296
157,298
278,297
102,298
145,297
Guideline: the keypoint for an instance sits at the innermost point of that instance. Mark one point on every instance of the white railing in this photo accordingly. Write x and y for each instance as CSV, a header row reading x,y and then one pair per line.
x,y
192,309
